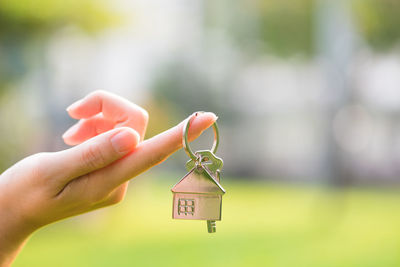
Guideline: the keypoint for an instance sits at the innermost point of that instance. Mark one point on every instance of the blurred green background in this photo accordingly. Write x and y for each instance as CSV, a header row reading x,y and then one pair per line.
x,y
263,225
307,94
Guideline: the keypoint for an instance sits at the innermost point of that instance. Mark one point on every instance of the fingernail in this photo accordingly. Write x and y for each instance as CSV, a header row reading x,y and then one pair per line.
x,y
70,132
124,141
208,114
74,105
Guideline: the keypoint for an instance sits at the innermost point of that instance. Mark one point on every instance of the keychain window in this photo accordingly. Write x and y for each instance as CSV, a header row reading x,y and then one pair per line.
x,y
186,206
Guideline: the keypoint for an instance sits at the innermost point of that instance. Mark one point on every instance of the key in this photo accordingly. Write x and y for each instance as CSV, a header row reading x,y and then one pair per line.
x,y
198,195
208,159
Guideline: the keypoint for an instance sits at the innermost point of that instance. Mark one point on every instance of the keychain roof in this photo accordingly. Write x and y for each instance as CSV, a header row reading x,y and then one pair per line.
x,y
198,180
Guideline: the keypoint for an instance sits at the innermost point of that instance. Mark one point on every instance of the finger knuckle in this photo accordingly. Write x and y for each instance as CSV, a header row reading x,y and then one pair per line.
x,y
94,197
115,199
145,114
93,157
158,158
139,114
38,169
98,93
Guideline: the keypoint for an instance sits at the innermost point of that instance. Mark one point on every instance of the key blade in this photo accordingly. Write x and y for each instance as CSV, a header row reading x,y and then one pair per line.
x,y
211,226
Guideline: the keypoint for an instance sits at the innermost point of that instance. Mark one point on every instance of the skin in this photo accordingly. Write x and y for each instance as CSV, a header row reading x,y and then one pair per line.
x,y
108,150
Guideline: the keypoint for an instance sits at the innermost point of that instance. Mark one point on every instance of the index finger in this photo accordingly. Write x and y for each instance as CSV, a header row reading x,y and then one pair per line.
x,y
153,151
113,107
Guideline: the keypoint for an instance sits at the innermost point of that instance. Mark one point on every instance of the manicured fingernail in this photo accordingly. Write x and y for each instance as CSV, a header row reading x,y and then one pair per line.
x,y
70,132
124,141
74,105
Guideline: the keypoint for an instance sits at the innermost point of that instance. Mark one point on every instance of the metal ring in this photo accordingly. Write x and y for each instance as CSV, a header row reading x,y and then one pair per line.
x,y
185,141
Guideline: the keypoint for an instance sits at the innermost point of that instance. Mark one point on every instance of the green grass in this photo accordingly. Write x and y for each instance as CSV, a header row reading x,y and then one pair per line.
x,y
263,225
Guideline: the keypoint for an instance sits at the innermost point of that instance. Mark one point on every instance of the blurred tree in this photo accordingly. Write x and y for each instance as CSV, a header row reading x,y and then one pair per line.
x,y
185,89
285,27
25,27
25,22
255,27
379,22
243,31
277,27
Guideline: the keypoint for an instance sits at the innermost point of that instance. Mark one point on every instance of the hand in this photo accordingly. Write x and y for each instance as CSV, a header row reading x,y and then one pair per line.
x,y
47,187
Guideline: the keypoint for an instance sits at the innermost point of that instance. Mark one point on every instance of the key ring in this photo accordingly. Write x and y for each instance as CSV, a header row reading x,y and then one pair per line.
x,y
185,141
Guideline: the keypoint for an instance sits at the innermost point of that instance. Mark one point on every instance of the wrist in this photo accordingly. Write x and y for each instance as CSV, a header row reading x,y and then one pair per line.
x,y
14,231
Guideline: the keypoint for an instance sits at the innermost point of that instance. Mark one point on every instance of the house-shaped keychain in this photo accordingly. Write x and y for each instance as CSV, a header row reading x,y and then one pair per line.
x,y
197,196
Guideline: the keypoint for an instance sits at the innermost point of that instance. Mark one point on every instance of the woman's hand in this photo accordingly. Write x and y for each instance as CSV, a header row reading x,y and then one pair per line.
x,y
109,151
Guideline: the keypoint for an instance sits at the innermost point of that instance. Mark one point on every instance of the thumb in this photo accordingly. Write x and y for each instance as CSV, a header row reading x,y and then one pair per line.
x,y
95,153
